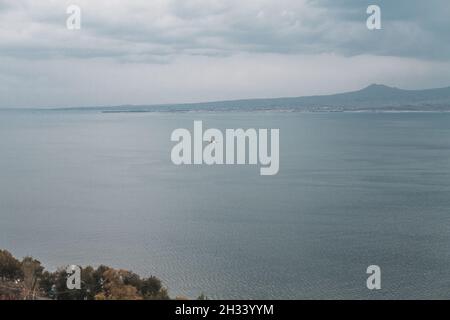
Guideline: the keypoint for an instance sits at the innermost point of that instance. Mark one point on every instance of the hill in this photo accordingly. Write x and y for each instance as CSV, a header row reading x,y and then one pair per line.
x,y
375,97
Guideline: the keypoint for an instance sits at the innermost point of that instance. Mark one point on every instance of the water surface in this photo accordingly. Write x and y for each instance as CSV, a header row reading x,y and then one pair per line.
x,y
354,189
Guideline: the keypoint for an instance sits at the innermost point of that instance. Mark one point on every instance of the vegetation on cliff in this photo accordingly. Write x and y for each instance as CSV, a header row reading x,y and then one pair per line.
x,y
27,279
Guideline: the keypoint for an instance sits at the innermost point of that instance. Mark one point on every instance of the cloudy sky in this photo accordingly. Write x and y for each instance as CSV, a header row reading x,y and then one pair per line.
x,y
168,51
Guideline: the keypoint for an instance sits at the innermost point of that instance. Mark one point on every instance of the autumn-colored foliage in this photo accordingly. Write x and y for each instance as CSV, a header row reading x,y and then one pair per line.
x,y
27,279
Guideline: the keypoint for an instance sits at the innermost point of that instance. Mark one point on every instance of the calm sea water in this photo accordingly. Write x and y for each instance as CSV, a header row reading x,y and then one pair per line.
x,y
354,189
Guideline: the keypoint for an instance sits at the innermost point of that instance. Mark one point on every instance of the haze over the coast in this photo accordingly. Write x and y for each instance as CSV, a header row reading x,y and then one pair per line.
x,y
172,51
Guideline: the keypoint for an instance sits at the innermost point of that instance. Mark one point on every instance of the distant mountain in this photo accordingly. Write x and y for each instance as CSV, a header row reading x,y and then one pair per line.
x,y
375,97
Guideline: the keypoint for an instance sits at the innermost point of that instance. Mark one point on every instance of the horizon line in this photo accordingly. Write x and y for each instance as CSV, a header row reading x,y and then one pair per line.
x,y
216,101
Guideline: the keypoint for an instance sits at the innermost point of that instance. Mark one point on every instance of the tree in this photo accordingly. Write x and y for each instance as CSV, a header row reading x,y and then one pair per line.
x,y
162,294
47,284
32,271
10,268
131,279
115,288
61,291
152,289
89,284
202,296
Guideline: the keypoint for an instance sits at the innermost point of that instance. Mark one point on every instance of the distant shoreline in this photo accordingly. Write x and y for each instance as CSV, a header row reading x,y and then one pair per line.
x,y
374,98
274,110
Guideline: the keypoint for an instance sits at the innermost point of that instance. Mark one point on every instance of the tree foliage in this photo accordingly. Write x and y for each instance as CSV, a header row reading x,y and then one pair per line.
x,y
32,272
10,267
101,283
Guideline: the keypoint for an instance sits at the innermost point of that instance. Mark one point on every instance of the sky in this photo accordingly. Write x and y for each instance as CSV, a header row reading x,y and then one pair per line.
x,y
172,51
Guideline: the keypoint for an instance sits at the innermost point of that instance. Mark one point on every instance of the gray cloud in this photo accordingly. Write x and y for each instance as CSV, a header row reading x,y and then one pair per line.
x,y
141,30
410,28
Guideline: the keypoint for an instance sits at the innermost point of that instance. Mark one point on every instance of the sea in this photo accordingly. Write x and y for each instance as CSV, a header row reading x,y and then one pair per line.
x,y
354,189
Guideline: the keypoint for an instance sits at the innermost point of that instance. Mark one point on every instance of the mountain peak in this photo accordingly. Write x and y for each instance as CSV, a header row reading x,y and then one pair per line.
x,y
378,87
